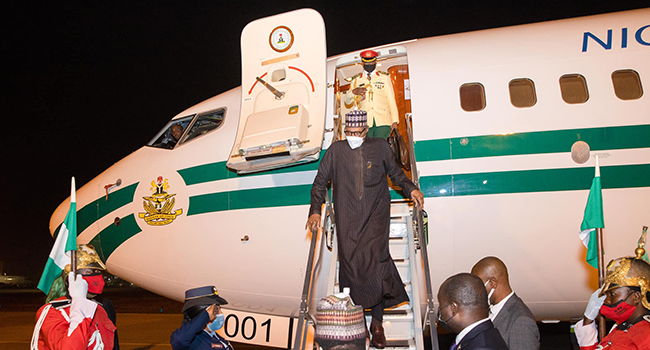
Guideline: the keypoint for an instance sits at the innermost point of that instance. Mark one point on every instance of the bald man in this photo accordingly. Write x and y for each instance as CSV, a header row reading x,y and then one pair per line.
x,y
463,309
510,315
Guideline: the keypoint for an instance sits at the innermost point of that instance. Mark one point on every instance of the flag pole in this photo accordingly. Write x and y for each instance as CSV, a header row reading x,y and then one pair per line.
x,y
601,263
73,253
601,278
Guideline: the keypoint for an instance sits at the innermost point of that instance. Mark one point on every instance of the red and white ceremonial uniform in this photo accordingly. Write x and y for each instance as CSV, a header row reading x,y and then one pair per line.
x,y
637,337
77,324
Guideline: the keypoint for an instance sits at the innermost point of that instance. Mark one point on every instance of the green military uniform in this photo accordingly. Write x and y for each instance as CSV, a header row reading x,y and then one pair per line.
x,y
378,101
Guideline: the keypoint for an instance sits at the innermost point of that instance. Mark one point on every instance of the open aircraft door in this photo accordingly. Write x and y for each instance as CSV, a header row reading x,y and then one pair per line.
x,y
282,118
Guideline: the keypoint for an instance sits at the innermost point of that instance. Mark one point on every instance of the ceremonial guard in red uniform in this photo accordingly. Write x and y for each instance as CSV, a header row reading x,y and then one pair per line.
x,y
624,298
74,321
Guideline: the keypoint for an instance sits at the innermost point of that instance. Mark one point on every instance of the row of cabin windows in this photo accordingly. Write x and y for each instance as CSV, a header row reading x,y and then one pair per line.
x,y
627,86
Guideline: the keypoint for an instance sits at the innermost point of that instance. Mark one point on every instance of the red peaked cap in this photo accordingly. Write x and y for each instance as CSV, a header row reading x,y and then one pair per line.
x,y
368,56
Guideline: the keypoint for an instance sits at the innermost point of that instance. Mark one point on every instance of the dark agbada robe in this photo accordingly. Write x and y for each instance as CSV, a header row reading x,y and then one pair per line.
x,y
362,207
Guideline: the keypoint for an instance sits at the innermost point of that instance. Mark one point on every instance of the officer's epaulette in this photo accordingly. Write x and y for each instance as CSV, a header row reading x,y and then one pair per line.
x,y
382,72
355,76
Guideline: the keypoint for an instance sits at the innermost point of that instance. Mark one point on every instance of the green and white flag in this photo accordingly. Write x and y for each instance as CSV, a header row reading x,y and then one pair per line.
x,y
593,219
66,240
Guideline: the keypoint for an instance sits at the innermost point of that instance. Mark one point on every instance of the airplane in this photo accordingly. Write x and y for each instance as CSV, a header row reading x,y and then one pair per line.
x,y
15,281
491,115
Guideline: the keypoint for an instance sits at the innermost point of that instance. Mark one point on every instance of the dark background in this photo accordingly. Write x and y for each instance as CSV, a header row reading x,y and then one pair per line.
x,y
86,83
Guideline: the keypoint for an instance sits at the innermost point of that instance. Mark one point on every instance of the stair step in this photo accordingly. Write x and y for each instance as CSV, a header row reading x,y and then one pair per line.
x,y
400,210
391,311
396,344
402,268
402,306
397,326
397,227
399,248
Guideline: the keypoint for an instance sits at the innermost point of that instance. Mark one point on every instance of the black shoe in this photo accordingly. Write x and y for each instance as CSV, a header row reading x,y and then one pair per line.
x,y
378,338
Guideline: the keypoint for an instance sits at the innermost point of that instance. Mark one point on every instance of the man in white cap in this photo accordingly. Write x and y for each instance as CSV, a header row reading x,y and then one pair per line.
x,y
357,169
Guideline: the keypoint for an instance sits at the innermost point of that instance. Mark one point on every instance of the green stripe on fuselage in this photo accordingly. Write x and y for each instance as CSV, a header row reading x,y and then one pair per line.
x,y
113,236
246,199
527,181
554,141
100,207
538,142
524,181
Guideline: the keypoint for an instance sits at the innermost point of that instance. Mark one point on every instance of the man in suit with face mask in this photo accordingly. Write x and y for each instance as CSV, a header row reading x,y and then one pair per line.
x,y
508,312
463,309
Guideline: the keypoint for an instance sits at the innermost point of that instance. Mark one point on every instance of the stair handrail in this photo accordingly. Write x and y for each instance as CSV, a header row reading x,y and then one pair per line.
x,y
301,334
422,240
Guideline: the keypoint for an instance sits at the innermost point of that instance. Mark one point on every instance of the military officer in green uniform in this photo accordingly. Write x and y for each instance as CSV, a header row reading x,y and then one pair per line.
x,y
372,91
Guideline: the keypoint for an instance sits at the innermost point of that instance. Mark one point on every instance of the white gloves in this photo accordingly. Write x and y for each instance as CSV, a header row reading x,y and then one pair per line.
x,y
78,287
593,307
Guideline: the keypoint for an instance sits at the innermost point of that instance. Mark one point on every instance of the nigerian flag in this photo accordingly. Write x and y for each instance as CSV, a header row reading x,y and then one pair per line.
x,y
66,240
593,219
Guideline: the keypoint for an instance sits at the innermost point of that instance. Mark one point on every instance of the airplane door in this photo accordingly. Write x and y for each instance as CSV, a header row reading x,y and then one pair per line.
x,y
282,118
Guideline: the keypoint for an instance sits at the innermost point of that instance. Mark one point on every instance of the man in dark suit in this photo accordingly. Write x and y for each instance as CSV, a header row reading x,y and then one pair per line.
x,y
507,311
463,309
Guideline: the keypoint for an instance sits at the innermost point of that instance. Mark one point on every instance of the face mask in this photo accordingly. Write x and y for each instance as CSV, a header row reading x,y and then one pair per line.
x,y
369,67
355,141
489,294
444,324
217,323
95,284
618,312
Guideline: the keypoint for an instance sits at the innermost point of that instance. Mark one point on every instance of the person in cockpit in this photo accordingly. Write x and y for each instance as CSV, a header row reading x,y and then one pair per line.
x,y
177,132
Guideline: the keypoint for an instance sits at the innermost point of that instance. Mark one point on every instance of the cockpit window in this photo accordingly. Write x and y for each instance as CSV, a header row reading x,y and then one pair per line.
x,y
205,123
172,132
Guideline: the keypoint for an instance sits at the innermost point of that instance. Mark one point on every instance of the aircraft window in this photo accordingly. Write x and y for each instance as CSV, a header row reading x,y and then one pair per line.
x,y
472,97
574,88
171,133
627,84
522,92
205,123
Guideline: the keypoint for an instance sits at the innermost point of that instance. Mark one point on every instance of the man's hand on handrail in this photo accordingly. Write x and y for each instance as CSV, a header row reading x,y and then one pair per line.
x,y
418,198
313,223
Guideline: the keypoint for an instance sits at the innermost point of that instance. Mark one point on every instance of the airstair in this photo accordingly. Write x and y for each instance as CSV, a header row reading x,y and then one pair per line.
x,y
404,324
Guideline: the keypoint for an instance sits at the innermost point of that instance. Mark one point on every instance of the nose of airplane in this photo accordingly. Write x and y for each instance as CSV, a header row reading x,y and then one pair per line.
x,y
59,215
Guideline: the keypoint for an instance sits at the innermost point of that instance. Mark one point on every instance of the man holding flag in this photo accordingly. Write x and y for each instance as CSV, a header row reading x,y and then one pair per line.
x,y
72,321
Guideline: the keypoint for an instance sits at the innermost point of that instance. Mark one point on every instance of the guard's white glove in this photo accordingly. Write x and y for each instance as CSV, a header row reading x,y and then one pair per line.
x,y
593,307
77,287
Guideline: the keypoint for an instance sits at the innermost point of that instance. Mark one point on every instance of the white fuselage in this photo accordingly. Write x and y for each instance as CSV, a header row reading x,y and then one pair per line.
x,y
516,197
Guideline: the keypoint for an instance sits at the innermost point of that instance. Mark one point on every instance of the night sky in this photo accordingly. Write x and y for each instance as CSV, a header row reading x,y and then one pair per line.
x,y
87,83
